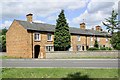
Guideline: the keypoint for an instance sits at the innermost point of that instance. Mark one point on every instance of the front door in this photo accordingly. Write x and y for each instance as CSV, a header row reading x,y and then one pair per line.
x,y
83,48
36,51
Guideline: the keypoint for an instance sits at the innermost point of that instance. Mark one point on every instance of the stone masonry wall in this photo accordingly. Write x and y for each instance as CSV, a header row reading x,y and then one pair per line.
x,y
17,41
68,54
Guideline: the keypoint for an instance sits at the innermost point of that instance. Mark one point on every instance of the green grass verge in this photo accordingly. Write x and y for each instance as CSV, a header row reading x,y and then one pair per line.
x,y
98,57
58,73
6,57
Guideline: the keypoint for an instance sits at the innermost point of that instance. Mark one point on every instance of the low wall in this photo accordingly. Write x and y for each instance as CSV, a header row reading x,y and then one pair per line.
x,y
68,54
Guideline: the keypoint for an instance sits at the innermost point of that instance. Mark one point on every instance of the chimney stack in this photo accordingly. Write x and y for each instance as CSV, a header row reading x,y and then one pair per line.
x,y
98,28
29,17
82,26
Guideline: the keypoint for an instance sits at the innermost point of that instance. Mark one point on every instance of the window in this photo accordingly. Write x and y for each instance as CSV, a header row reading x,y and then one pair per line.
x,y
91,38
49,48
78,38
49,37
98,39
37,36
87,47
91,46
78,47
106,39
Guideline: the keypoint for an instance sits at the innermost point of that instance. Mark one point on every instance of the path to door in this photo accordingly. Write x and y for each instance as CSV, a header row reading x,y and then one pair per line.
x,y
63,63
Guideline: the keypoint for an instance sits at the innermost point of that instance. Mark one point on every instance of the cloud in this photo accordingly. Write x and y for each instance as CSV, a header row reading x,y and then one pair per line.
x,y
39,21
51,18
6,24
95,13
97,6
90,19
16,9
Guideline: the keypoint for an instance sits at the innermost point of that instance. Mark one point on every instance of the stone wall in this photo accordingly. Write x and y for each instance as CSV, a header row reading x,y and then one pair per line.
x,y
68,54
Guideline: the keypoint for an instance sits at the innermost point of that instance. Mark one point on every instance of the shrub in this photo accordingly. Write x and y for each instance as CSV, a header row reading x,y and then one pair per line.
x,y
93,48
109,48
96,44
102,48
115,40
105,48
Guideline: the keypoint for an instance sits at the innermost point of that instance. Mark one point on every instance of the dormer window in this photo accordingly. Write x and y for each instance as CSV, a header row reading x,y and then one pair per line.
x,y
37,36
49,37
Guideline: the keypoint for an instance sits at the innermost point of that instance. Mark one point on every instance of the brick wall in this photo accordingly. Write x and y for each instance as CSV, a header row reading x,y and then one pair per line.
x,y
17,41
20,42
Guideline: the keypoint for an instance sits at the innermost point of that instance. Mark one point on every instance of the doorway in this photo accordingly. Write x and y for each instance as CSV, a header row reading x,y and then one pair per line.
x,y
36,51
83,48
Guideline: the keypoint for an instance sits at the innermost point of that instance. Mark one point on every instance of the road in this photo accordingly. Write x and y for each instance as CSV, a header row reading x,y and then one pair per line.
x,y
63,63
2,53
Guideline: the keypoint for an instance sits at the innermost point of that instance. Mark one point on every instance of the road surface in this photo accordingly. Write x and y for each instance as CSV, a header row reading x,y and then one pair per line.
x,y
62,63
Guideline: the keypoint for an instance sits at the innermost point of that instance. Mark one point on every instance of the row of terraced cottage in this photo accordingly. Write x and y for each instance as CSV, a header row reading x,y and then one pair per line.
x,y
28,39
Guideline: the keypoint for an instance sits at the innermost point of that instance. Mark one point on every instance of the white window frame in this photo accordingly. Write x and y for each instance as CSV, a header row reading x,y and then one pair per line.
x,y
78,47
91,38
98,39
50,48
48,35
38,36
79,38
106,39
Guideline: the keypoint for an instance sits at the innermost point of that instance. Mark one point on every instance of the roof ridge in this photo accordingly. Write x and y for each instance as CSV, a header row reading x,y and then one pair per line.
x,y
50,28
54,25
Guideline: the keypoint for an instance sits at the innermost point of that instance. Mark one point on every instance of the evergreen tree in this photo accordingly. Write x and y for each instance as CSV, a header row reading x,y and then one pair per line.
x,y
96,44
62,38
112,22
115,40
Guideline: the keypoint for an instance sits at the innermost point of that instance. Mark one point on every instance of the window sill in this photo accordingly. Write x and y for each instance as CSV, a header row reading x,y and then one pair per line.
x,y
37,40
49,40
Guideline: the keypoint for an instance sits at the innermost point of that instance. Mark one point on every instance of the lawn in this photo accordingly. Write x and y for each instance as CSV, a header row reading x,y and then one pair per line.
x,y
98,57
6,57
58,73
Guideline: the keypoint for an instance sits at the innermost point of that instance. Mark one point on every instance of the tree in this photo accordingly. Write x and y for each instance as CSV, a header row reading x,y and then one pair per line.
x,y
112,22
115,40
3,40
96,44
62,38
4,31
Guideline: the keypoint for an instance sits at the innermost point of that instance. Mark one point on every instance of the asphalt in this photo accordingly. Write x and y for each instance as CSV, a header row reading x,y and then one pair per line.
x,y
61,63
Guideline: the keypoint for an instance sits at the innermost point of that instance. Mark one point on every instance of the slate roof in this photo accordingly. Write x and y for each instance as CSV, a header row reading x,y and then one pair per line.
x,y
51,28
